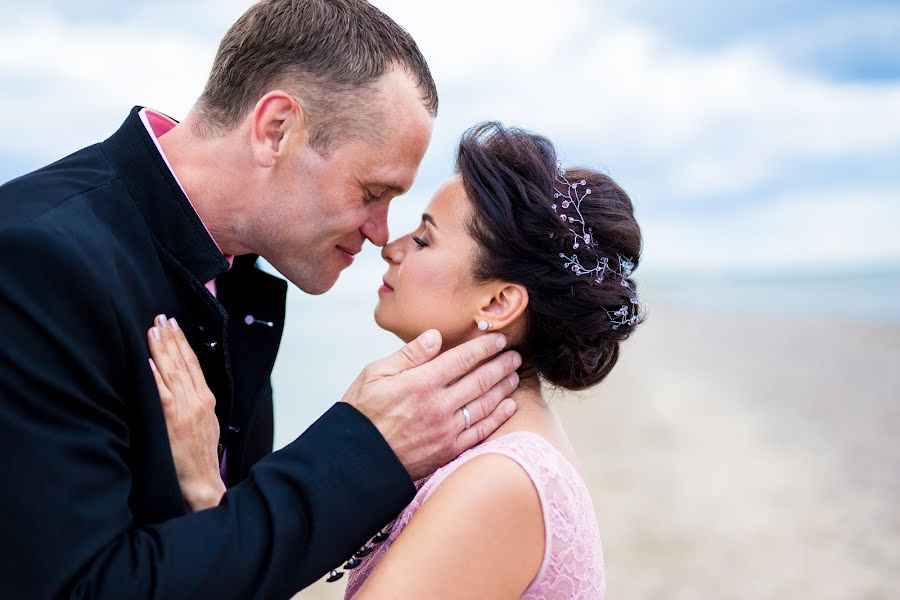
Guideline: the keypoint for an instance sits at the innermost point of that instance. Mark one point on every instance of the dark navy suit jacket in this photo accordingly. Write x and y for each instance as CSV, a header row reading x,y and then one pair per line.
x,y
91,248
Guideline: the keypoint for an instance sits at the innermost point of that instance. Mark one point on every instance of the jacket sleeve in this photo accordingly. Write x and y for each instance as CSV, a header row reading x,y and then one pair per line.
x,y
67,530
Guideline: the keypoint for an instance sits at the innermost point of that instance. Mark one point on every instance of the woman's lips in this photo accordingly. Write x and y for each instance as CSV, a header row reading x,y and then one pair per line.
x,y
385,288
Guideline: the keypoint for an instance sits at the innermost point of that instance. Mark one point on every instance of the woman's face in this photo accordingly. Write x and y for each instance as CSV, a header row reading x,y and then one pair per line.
x,y
429,281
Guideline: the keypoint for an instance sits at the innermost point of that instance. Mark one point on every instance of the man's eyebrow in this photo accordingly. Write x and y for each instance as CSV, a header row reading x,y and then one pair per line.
x,y
395,188
426,218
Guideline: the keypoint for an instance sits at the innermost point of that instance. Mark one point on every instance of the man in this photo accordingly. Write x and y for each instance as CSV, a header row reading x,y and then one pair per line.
x,y
316,114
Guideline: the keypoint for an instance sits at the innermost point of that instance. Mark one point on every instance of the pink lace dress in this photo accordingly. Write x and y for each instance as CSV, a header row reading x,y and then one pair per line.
x,y
573,561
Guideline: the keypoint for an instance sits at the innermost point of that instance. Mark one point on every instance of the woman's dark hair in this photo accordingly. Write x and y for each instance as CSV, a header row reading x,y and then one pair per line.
x,y
572,334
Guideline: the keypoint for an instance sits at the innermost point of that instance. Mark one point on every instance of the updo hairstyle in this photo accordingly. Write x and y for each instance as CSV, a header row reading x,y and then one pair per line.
x,y
572,327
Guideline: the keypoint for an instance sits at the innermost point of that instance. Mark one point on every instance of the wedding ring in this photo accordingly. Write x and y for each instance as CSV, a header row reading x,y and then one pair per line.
x,y
467,417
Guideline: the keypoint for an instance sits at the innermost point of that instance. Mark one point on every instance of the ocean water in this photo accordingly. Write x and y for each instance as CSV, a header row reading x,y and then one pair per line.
x,y
870,297
328,339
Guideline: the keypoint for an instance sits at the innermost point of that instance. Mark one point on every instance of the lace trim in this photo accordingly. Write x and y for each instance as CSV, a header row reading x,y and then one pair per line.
x,y
572,566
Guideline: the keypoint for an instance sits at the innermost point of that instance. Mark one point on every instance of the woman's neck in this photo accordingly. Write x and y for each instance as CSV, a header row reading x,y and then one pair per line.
x,y
533,414
532,411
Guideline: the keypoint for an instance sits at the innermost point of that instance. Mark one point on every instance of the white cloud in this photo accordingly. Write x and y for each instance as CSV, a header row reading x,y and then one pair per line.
x,y
700,128
712,124
853,226
67,85
690,127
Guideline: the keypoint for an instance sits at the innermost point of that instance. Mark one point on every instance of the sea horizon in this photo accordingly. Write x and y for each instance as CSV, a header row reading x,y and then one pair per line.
x,y
328,339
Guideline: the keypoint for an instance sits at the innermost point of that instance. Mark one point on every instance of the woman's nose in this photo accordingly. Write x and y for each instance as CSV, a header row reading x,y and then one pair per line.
x,y
392,252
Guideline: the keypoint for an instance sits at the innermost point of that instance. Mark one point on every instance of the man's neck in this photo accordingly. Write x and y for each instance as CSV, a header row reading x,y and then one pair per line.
x,y
201,167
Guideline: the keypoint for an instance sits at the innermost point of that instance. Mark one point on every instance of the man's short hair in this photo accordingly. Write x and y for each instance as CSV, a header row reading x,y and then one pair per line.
x,y
329,53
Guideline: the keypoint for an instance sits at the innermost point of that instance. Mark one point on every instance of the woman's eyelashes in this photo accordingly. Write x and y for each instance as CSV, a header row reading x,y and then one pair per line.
x,y
421,242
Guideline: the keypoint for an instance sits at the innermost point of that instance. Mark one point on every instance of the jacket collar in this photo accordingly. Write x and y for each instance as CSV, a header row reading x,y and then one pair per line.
x,y
158,196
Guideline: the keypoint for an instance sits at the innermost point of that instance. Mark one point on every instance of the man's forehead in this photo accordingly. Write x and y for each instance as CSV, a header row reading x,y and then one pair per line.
x,y
390,158
396,179
394,165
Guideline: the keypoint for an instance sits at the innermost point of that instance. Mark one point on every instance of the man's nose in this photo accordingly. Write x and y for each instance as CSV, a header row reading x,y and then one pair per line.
x,y
376,228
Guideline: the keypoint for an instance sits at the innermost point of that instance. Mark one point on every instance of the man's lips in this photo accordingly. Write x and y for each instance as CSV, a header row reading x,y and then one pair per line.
x,y
385,287
347,255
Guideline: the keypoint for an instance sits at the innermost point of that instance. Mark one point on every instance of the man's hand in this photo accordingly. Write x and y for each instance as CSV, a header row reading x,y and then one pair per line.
x,y
419,403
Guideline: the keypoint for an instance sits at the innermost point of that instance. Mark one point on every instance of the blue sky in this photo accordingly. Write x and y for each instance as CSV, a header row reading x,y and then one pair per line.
x,y
753,136
760,136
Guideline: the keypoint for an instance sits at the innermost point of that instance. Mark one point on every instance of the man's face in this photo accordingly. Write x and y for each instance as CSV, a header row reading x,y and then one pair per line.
x,y
321,209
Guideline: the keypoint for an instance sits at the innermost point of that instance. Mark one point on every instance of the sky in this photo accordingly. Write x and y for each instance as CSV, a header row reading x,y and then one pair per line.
x,y
752,136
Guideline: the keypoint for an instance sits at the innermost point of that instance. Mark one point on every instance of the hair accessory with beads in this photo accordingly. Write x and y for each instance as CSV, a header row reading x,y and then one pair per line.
x,y
567,199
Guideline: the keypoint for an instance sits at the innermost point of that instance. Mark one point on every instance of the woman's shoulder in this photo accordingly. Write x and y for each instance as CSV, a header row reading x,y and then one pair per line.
x,y
484,519
498,481
509,513
525,452
505,474
489,482
517,469
506,465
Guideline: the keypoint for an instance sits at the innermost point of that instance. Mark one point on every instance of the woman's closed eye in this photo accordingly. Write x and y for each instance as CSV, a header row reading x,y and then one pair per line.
x,y
420,239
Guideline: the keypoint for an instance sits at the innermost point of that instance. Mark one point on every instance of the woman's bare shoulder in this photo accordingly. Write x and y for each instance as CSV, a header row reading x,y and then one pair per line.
x,y
479,534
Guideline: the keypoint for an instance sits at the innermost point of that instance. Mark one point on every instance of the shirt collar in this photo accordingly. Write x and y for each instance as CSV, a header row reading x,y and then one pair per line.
x,y
157,125
144,172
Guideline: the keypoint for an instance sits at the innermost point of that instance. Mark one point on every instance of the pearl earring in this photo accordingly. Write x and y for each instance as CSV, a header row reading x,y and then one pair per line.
x,y
484,325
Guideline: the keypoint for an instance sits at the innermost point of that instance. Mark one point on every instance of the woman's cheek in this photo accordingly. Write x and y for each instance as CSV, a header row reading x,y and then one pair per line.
x,y
431,296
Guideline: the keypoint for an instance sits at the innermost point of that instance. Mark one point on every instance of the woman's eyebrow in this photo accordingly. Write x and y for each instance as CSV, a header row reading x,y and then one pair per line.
x,y
426,218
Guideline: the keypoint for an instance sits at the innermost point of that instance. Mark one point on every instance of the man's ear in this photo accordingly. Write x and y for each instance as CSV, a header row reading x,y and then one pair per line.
x,y
277,120
504,306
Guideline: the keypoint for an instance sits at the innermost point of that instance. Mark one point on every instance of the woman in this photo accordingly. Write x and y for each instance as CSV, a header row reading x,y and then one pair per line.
x,y
513,244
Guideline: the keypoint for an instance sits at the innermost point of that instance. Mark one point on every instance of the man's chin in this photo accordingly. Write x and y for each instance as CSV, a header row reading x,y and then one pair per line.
x,y
316,283
319,286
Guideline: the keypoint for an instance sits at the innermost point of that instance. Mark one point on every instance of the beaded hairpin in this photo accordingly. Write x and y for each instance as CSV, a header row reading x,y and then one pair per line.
x,y
568,196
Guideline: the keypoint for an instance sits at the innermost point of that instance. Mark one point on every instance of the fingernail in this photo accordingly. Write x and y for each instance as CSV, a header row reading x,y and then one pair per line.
x,y
517,360
514,379
163,321
174,323
428,339
501,341
155,332
510,407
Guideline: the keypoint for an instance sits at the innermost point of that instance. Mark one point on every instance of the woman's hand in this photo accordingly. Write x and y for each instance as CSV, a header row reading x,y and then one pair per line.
x,y
190,411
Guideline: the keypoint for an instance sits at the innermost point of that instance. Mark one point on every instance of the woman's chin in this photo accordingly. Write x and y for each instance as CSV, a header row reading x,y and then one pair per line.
x,y
384,321
379,317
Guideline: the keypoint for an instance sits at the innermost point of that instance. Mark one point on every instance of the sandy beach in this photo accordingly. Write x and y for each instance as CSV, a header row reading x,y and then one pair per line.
x,y
743,457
